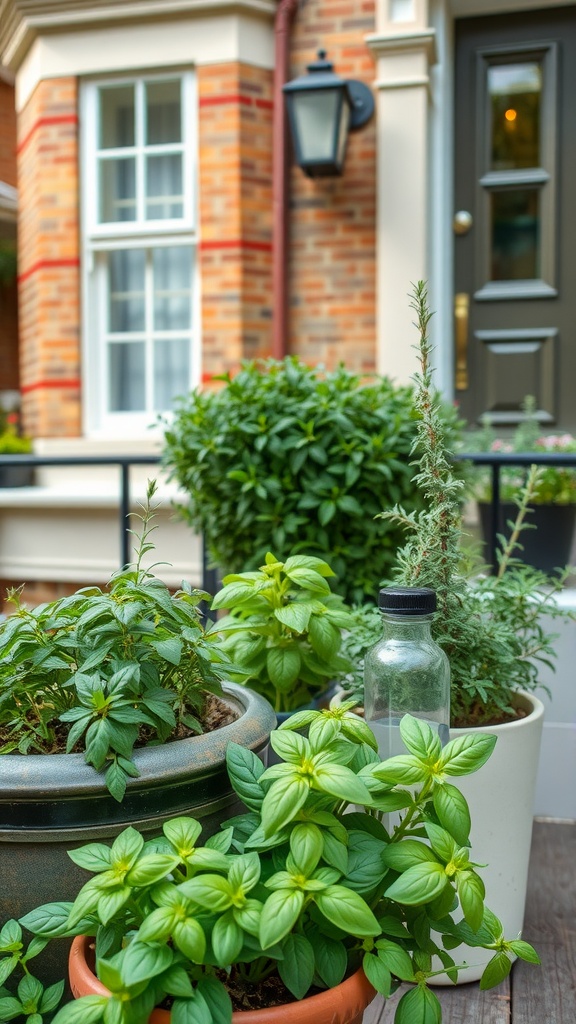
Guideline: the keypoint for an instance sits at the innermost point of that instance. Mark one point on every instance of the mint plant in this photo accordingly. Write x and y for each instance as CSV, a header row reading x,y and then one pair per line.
x,y
30,1000
283,632
106,670
302,886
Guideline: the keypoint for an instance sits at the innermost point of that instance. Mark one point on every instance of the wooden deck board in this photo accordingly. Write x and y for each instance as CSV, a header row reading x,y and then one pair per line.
x,y
532,995
548,993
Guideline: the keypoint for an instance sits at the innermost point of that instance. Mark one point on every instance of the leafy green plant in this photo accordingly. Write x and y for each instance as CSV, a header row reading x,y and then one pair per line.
x,y
12,442
106,670
363,632
285,629
301,888
30,999
292,459
494,628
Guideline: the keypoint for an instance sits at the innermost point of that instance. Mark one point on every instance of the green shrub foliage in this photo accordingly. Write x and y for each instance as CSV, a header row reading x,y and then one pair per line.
x,y
295,460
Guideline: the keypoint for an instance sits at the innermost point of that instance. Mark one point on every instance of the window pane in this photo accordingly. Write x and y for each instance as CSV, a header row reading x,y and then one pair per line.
x,y
171,371
126,380
515,94
117,116
117,190
515,235
163,113
172,288
126,290
164,187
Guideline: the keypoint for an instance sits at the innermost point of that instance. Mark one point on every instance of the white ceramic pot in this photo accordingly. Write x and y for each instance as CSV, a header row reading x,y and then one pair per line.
x,y
501,800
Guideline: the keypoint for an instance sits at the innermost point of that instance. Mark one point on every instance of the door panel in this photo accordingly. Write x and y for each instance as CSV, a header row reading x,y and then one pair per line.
x,y
515,150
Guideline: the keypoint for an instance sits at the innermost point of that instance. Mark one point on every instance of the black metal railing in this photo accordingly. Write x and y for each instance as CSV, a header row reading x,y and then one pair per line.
x,y
496,460
123,463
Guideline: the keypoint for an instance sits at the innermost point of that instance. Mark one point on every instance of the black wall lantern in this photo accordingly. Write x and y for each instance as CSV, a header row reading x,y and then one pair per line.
x,y
322,109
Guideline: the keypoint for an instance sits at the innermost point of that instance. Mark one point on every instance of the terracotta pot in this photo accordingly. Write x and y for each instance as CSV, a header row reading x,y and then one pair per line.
x,y
344,1004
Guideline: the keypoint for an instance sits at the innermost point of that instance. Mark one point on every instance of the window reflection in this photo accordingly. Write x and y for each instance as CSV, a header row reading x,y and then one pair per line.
x,y
515,234
515,92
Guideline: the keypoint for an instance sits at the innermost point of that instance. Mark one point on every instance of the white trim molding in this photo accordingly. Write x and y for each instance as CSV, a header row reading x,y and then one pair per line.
x,y
403,60
23,21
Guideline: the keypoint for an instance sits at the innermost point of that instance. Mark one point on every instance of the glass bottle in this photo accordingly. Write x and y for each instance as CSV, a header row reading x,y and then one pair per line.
x,y
406,671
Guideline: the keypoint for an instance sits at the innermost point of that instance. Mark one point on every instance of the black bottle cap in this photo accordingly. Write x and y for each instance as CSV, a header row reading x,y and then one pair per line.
x,y
407,600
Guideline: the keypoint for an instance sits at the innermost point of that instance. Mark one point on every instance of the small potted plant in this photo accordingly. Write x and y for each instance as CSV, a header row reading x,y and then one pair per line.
x,y
284,630
495,630
115,708
12,442
552,508
296,909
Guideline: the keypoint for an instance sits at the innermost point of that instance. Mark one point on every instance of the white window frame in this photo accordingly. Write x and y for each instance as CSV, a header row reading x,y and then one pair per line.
x,y
99,239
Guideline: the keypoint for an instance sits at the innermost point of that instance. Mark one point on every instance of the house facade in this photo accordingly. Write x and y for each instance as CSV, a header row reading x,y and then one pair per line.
x,y
165,232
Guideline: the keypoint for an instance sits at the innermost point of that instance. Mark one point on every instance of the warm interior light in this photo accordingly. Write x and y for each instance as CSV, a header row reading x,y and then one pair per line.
x,y
510,114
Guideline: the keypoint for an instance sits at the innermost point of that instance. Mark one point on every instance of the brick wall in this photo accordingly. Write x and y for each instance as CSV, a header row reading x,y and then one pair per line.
x,y
235,153
332,220
48,271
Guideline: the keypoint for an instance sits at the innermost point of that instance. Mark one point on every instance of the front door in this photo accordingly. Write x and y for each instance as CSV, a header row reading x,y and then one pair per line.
x,y
515,216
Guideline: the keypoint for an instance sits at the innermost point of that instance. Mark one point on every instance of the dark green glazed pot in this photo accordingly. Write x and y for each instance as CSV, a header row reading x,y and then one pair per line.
x,y
51,803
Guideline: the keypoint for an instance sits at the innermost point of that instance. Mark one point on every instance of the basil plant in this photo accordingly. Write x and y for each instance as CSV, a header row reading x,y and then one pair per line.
x,y
284,630
307,884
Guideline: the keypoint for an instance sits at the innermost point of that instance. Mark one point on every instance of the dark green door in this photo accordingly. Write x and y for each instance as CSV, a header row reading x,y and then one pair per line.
x,y
515,216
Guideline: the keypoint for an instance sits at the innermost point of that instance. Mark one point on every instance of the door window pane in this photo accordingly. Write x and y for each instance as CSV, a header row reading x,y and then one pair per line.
x,y
117,190
515,234
171,371
164,187
515,97
163,113
126,290
117,117
126,384
172,288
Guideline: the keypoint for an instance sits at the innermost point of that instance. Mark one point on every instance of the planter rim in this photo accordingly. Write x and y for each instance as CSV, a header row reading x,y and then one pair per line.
x,y
44,773
527,700
356,988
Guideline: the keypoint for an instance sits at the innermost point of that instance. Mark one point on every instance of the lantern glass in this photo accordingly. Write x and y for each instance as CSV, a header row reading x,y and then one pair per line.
x,y
316,116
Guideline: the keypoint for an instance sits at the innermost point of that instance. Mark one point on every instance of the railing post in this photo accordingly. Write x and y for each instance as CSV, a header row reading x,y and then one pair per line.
x,y
494,515
125,558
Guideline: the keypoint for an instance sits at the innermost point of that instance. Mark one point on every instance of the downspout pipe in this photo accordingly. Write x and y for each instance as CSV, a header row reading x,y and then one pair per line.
x,y
283,23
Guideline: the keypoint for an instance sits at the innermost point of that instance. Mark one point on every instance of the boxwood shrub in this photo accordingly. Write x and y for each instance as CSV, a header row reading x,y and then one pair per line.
x,y
289,458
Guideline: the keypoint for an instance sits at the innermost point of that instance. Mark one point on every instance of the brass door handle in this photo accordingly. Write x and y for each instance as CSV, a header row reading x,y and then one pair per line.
x,y
461,313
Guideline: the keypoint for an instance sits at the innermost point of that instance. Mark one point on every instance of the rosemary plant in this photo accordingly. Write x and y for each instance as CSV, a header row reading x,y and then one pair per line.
x,y
492,627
